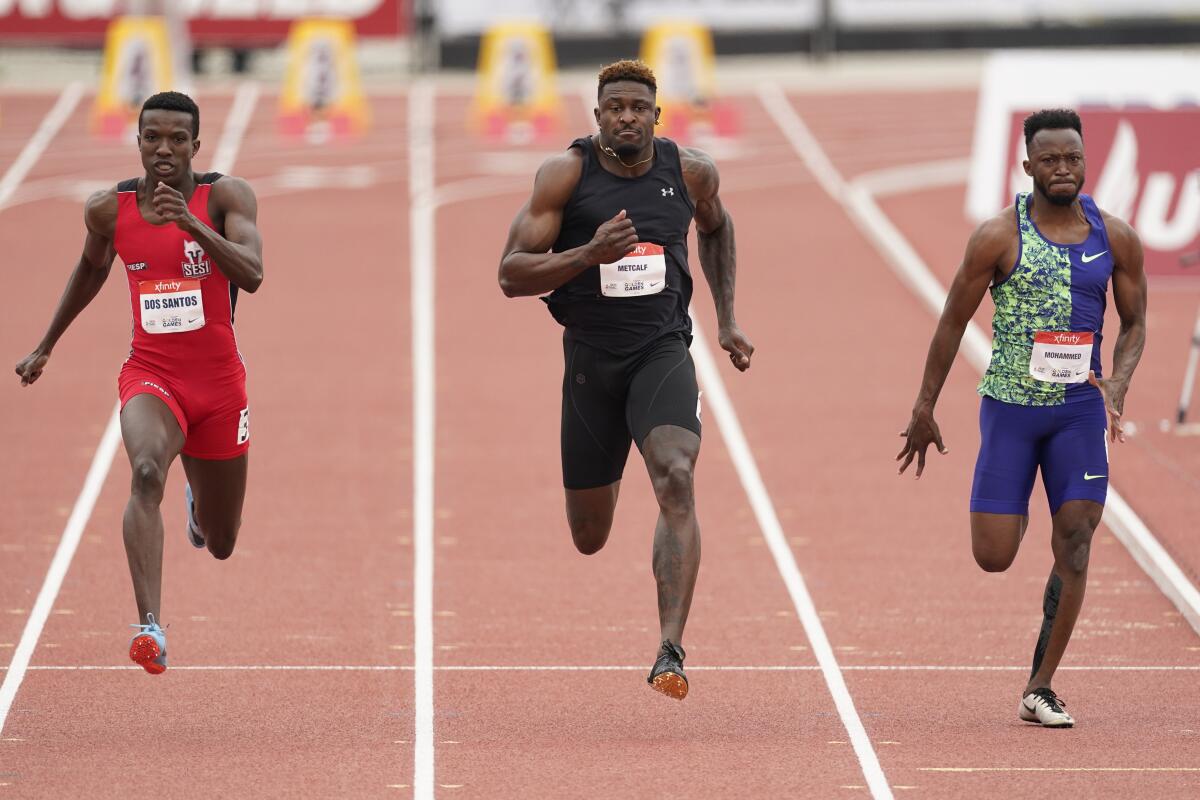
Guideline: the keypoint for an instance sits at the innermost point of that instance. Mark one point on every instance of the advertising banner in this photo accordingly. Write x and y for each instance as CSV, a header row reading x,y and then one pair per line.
x,y
259,22
1141,134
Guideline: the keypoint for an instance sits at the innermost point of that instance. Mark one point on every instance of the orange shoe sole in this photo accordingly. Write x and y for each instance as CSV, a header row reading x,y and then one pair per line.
x,y
671,685
142,651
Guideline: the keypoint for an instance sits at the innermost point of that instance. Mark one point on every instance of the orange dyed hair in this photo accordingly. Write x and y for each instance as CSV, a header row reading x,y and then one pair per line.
x,y
627,70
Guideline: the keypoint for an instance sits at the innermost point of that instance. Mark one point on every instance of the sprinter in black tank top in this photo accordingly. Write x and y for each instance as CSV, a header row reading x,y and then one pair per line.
x,y
604,237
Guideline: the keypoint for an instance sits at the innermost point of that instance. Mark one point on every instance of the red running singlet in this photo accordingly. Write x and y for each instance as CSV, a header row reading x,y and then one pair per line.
x,y
184,350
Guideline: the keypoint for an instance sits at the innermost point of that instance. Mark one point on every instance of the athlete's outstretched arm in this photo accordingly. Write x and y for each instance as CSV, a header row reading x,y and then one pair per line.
x,y
1129,296
238,254
100,217
985,250
718,252
526,268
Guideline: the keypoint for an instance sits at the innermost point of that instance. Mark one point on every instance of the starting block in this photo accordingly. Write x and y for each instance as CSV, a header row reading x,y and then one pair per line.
x,y
322,95
516,99
681,55
137,64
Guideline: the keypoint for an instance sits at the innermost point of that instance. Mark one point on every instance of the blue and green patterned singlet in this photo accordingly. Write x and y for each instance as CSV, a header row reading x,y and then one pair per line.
x,y
1053,287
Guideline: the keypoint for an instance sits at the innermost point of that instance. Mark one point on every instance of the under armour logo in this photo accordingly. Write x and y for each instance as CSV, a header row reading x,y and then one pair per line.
x,y
669,191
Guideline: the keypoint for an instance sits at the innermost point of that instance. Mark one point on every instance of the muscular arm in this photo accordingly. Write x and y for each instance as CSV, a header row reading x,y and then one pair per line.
x,y
1129,294
527,268
100,218
238,254
986,249
718,251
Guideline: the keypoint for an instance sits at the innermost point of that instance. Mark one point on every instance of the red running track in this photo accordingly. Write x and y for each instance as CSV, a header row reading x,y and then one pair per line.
x,y
540,653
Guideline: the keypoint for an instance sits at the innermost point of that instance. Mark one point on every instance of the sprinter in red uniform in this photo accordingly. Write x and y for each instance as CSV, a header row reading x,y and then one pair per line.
x,y
189,242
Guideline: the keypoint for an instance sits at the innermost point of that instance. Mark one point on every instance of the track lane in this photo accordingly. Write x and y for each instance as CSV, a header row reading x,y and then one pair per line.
x,y
901,548
512,590
320,572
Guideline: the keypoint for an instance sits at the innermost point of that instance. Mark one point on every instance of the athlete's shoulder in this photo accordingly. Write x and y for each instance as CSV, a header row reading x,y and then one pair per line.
x,y
1118,229
558,176
698,166
998,229
100,211
228,193
1123,239
992,240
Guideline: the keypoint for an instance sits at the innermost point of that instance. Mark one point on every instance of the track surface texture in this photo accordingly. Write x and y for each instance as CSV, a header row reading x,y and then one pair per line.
x,y
297,667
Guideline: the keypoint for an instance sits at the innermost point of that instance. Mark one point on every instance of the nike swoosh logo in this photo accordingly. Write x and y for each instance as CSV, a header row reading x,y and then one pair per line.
x,y
1088,477
1085,258
656,283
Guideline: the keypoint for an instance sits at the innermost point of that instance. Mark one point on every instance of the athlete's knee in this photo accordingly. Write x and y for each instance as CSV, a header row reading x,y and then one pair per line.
x,y
148,479
674,486
589,533
1072,548
220,539
993,560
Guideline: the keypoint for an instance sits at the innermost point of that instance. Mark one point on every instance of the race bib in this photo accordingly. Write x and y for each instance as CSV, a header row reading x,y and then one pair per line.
x,y
172,306
1061,356
644,271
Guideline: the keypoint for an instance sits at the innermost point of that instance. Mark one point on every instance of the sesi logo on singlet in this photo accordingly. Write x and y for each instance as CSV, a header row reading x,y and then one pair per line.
x,y
195,263
644,271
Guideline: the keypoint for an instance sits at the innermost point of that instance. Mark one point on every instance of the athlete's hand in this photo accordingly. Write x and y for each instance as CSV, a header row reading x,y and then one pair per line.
x,y
920,433
31,366
171,206
614,239
734,342
1113,392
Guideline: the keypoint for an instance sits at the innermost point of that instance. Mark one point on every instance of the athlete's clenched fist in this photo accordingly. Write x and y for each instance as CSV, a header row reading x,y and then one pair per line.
x,y
614,239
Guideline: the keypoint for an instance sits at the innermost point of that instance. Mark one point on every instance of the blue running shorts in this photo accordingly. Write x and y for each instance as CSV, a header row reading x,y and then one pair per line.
x,y
1069,442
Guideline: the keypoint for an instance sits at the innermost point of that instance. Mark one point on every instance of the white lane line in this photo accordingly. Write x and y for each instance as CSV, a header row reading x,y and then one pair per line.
x,y
421,109
236,123
37,144
768,521
1059,769
915,177
772,530
603,668
58,567
862,209
101,463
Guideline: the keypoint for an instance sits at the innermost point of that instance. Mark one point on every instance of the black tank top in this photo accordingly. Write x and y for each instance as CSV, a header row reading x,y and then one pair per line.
x,y
661,211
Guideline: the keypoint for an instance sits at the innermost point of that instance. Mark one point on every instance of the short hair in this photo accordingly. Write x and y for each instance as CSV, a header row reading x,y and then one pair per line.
x,y
1052,119
172,101
627,70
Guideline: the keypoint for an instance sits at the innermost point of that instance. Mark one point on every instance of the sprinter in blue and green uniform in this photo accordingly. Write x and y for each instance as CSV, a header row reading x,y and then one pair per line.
x,y
1047,260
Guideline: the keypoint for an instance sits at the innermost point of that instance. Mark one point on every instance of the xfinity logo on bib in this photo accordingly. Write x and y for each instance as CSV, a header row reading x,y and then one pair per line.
x,y
196,264
167,286
1067,338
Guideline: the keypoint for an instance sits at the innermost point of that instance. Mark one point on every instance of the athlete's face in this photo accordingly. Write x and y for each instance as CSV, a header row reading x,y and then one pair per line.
x,y
1056,165
165,140
626,114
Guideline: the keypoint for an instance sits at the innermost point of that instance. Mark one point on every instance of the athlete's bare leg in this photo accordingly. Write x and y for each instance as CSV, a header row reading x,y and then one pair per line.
x,y
218,490
670,453
152,440
590,515
995,539
1071,541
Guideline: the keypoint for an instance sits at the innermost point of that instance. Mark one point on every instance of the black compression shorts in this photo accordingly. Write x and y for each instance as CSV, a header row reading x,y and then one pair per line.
x,y
609,401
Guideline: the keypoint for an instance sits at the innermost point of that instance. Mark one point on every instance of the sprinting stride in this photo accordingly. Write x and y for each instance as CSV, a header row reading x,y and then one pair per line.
x,y
604,236
1047,259
189,242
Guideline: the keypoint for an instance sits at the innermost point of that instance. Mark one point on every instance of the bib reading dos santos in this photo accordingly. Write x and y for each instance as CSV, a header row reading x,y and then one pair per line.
x,y
625,306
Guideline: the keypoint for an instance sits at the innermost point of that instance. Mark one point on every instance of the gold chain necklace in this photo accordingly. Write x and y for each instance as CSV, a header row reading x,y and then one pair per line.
x,y
610,152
